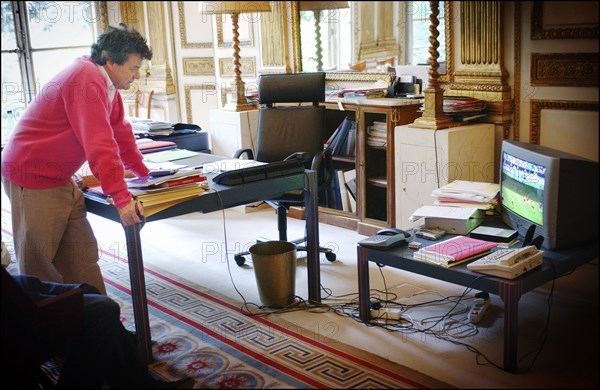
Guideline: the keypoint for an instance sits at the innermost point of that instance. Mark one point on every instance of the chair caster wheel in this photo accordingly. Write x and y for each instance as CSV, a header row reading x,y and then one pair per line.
x,y
330,256
240,260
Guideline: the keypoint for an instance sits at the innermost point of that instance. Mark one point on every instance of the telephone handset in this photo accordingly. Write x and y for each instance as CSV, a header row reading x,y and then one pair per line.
x,y
509,263
385,239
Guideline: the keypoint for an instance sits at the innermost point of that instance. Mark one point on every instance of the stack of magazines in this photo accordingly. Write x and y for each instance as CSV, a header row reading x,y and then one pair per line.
x,y
464,108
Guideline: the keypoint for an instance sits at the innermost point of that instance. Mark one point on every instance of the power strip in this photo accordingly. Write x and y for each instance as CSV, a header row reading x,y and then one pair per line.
x,y
386,314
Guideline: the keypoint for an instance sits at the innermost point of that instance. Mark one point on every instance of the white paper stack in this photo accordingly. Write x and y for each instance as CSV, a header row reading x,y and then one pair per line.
x,y
483,196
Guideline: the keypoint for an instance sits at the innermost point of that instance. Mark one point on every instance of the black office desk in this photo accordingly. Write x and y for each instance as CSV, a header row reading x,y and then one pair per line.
x,y
217,197
556,264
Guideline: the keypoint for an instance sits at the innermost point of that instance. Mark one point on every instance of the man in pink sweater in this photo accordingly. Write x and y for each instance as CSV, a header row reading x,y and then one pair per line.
x,y
78,116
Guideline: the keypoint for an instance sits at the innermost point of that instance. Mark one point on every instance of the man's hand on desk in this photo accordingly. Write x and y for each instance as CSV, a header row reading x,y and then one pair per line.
x,y
132,213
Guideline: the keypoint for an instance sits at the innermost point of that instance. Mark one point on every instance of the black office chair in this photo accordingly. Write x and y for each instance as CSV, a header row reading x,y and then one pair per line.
x,y
292,132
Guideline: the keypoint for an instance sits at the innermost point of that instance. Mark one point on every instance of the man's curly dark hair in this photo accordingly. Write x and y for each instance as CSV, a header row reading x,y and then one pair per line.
x,y
117,43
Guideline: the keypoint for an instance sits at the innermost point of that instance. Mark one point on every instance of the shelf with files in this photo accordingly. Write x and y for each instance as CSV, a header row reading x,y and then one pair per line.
x,y
373,162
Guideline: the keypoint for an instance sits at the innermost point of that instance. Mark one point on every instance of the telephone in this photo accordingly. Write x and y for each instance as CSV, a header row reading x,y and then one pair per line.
x,y
509,263
385,239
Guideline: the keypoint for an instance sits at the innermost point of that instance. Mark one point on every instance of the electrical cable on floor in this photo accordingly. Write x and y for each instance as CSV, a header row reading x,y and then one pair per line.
x,y
227,250
298,304
405,323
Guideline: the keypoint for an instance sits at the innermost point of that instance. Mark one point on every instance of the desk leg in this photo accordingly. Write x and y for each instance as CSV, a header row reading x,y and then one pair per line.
x,y
363,283
138,292
510,294
312,238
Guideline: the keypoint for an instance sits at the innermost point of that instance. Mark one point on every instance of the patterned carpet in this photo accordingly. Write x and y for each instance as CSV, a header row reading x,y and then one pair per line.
x,y
199,333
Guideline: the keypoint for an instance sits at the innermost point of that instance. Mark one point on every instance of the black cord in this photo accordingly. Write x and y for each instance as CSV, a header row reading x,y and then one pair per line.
x,y
437,168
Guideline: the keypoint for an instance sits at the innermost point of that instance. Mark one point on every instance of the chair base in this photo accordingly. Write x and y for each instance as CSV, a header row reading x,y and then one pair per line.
x,y
240,258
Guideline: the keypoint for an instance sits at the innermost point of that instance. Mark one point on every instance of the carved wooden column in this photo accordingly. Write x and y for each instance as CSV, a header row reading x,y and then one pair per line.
x,y
433,115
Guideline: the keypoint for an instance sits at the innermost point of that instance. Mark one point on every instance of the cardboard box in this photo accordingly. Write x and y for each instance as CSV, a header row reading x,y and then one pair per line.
x,y
456,226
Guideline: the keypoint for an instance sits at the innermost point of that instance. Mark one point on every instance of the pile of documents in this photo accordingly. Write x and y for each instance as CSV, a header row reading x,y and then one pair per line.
x,y
484,196
464,108
459,207
377,90
144,126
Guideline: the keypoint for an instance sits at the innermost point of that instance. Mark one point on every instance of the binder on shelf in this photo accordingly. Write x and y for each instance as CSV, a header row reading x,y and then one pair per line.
x,y
341,143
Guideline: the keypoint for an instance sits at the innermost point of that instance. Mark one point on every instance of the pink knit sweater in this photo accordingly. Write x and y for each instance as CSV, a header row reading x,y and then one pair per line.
x,y
69,122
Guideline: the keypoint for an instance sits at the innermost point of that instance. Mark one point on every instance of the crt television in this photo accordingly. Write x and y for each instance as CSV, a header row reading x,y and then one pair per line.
x,y
556,191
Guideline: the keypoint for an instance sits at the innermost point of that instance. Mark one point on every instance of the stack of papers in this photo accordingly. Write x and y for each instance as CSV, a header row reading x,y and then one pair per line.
x,y
149,124
483,196
168,181
378,89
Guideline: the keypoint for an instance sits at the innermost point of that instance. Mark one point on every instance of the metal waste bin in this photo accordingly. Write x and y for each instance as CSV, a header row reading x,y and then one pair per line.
x,y
275,271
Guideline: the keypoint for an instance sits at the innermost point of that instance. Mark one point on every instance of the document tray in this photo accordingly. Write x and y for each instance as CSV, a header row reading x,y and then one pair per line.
x,y
259,172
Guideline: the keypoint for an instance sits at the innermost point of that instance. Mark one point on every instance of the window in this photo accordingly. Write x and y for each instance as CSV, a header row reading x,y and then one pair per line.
x,y
417,15
39,39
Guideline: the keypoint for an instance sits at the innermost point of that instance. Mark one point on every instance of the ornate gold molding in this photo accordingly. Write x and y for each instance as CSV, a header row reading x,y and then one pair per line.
x,y
132,13
448,77
564,69
248,66
103,15
481,54
296,49
538,105
357,76
517,73
183,34
539,32
188,88
198,66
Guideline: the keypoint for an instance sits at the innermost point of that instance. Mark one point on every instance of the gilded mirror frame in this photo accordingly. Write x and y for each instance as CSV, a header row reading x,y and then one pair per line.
x,y
448,77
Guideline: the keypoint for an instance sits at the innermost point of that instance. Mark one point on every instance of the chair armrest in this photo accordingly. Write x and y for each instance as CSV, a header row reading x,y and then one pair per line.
x,y
302,156
323,164
238,153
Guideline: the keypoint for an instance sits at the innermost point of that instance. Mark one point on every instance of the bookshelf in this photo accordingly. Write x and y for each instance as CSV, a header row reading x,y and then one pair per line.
x,y
373,162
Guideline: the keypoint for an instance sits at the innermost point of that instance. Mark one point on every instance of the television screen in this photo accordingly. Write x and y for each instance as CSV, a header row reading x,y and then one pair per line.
x,y
553,190
523,187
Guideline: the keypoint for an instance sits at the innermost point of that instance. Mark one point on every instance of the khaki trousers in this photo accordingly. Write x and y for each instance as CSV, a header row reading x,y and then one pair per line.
x,y
53,238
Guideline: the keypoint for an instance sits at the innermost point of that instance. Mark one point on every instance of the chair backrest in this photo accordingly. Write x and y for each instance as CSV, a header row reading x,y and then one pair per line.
x,y
290,128
143,99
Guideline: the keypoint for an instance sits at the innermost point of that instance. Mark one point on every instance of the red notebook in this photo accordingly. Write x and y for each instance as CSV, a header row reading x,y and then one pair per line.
x,y
155,146
454,250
